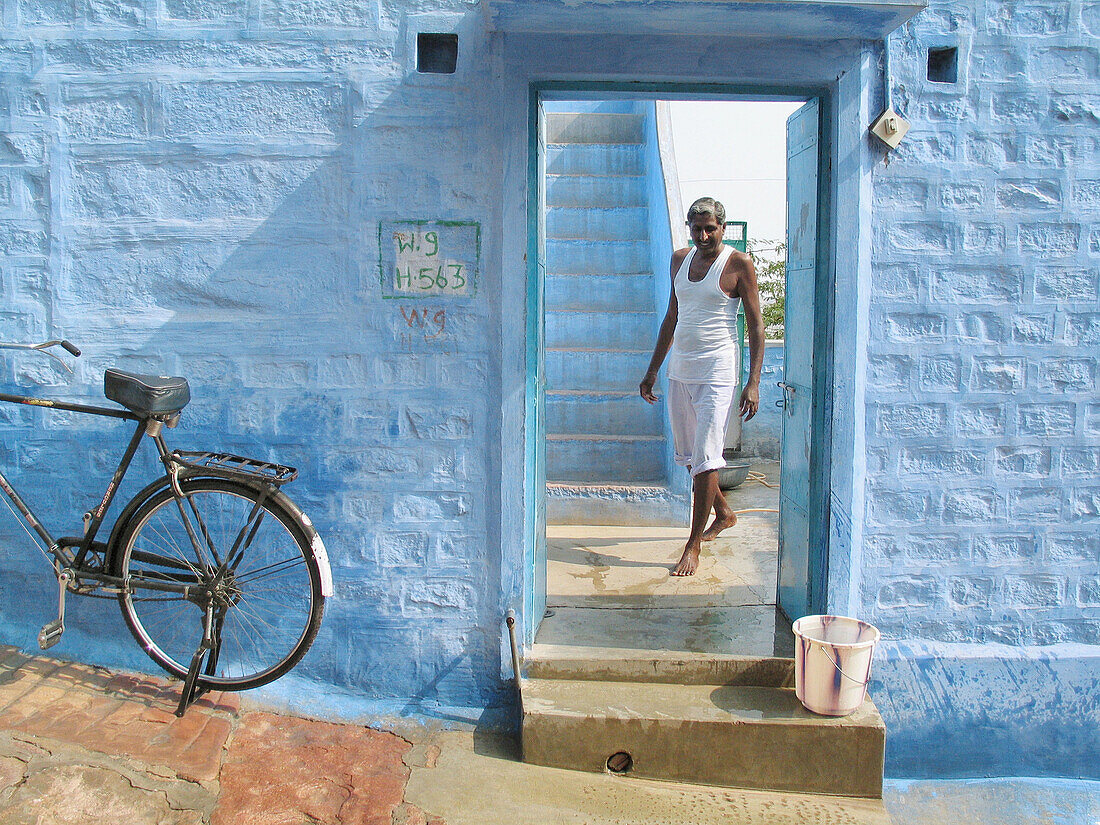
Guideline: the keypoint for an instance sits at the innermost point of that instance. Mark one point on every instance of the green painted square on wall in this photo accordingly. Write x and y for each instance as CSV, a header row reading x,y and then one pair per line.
x,y
434,258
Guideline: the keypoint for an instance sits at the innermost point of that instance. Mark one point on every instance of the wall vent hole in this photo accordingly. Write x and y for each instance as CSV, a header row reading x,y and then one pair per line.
x,y
620,762
436,53
943,65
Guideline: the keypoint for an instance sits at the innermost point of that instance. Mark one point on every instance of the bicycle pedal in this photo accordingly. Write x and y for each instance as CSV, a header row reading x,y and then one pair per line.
x,y
50,634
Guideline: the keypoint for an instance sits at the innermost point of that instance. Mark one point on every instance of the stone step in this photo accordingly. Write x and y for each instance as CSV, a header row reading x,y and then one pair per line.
x,y
602,459
735,623
631,293
576,413
677,667
595,224
600,370
576,329
729,735
591,190
635,505
582,256
598,160
576,106
594,127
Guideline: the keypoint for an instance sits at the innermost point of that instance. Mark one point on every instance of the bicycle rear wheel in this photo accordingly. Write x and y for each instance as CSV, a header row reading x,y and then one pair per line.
x,y
250,558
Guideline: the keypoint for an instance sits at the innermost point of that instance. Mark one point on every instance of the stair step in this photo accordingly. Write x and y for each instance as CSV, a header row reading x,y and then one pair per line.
x,y
589,190
636,505
631,293
595,159
574,413
695,621
616,258
571,328
594,127
678,667
593,224
729,735
601,438
595,369
605,459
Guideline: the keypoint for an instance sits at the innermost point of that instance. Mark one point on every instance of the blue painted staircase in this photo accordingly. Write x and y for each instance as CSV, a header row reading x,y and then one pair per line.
x,y
606,450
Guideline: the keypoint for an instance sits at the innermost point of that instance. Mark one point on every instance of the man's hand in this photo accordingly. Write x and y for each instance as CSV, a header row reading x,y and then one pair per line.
x,y
750,401
646,387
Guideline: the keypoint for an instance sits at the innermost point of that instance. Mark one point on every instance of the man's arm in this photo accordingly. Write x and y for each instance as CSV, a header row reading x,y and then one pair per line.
x,y
664,335
749,292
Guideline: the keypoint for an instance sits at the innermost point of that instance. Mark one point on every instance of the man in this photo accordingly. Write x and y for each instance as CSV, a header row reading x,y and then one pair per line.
x,y
700,328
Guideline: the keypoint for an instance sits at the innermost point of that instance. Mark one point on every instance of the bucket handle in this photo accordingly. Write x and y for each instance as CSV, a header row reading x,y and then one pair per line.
x,y
839,670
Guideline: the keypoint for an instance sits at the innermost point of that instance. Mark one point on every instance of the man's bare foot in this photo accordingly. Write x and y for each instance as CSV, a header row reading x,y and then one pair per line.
x,y
718,525
688,562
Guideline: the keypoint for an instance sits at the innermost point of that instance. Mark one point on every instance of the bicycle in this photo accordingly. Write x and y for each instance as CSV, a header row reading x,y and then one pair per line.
x,y
214,547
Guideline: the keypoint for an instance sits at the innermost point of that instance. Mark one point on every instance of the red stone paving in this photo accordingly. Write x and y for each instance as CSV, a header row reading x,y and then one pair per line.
x,y
328,772
270,769
128,716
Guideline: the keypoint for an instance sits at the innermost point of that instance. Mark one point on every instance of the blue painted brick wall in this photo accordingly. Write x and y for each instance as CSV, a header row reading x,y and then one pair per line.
x,y
194,187
982,507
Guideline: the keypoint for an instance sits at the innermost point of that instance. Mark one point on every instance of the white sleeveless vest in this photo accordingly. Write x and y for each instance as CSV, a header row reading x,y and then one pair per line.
x,y
705,347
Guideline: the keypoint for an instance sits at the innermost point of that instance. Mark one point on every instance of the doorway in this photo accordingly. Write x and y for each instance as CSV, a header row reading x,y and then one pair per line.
x,y
594,570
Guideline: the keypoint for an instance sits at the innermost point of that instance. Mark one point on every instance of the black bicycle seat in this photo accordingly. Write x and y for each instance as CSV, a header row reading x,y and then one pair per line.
x,y
146,394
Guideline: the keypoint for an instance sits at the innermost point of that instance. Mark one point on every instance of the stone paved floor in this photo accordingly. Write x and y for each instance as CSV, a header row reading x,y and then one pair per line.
x,y
80,744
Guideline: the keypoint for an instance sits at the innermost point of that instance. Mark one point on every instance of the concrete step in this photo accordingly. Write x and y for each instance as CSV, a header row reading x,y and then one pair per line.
x,y
594,224
601,459
587,258
605,413
576,106
635,505
728,735
691,621
598,370
589,190
675,667
594,127
631,293
575,329
599,160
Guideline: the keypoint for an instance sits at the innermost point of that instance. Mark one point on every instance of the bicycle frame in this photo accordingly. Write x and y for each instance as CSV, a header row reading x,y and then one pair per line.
x,y
99,512
199,565
95,517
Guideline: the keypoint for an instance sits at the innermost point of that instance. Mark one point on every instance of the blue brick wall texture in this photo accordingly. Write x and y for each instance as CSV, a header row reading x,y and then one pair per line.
x,y
983,361
195,187
981,546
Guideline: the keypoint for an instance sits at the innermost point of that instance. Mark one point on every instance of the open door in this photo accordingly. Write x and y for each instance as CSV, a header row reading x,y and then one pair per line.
x,y
535,568
798,364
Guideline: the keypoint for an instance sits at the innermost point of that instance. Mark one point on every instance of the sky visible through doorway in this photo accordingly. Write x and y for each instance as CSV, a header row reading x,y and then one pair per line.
x,y
735,151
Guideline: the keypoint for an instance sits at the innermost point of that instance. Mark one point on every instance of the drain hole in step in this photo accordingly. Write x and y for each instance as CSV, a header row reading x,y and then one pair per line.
x,y
620,762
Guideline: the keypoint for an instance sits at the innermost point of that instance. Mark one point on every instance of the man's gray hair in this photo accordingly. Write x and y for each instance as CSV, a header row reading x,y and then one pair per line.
x,y
707,206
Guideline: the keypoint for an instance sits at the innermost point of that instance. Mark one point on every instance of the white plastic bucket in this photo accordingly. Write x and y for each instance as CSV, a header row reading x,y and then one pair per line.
x,y
832,662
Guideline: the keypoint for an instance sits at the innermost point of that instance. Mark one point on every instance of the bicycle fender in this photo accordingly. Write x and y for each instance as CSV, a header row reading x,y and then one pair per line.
x,y
316,544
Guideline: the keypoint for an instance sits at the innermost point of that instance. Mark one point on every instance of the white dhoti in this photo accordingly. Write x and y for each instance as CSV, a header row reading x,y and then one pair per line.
x,y
699,414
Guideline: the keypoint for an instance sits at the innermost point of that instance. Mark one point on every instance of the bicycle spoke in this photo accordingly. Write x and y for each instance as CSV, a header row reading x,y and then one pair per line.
x,y
264,583
270,570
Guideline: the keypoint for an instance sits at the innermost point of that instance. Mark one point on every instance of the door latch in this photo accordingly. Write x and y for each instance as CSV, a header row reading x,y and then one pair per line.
x,y
787,401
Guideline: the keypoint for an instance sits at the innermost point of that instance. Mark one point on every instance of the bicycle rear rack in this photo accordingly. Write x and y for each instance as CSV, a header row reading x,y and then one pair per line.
x,y
225,465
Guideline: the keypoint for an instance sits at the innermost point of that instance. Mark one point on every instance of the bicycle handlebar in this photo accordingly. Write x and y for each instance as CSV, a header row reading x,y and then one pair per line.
x,y
44,348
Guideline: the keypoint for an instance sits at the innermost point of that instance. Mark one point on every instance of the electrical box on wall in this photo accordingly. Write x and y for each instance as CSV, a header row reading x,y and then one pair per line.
x,y
890,127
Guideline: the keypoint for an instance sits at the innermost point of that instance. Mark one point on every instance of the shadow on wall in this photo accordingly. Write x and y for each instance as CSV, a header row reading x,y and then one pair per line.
x,y
245,257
